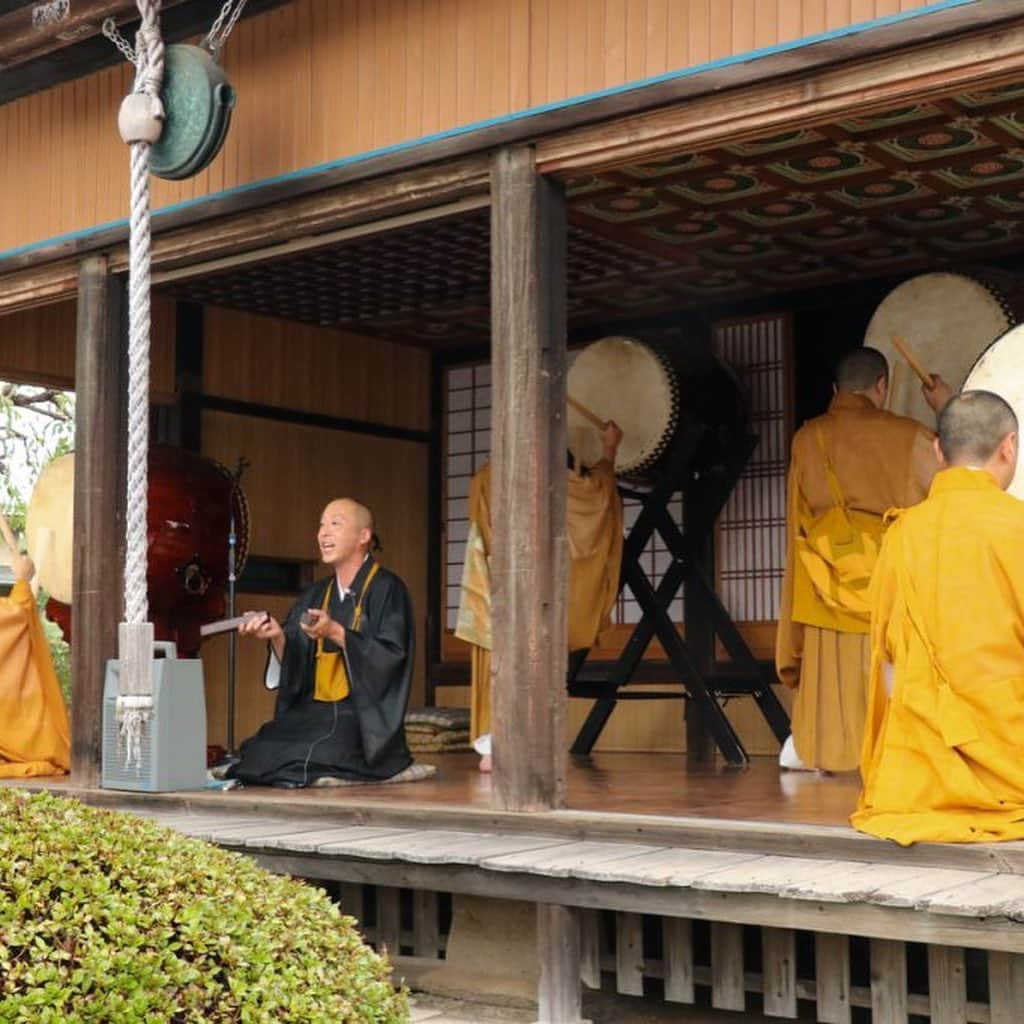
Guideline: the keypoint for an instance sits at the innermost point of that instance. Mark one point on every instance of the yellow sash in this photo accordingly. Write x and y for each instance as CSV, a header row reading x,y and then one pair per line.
x,y
834,563
331,673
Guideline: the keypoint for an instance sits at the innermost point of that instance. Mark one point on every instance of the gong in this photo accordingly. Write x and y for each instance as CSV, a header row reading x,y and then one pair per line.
x,y
198,100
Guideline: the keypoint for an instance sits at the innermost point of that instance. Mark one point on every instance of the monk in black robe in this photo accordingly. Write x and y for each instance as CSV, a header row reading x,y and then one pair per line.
x,y
342,666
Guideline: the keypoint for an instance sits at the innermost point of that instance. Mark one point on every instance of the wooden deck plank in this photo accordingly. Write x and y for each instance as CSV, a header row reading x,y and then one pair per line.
x,y
766,874
384,845
922,882
778,950
888,982
471,848
309,842
849,882
728,989
567,859
994,896
257,833
664,866
207,826
947,985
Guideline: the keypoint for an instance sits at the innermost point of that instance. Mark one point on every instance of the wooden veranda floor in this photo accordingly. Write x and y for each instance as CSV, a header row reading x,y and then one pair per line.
x,y
646,784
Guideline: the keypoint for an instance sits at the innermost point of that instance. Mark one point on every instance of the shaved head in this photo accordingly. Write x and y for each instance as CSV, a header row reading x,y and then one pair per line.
x,y
360,514
972,426
346,532
860,369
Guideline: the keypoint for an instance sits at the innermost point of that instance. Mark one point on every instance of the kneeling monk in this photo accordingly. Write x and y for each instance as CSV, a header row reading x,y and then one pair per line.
x,y
942,758
342,666
34,735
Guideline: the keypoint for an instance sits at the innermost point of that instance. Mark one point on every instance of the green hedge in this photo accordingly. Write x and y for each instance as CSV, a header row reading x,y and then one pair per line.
x,y
108,918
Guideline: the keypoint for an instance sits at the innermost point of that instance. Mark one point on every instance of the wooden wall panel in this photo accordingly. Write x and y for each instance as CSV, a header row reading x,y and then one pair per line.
x,y
295,470
296,366
318,80
38,346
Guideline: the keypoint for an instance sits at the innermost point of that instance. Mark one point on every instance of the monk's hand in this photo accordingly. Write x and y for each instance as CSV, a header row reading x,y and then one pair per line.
x,y
318,625
938,394
261,625
611,438
23,568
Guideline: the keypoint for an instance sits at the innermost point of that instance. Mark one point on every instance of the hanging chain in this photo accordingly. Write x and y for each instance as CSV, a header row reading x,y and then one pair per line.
x,y
110,30
227,19
213,41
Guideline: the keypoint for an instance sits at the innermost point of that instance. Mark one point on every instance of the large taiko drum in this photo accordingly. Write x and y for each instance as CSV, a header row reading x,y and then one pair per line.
x,y
190,503
652,393
1000,368
947,319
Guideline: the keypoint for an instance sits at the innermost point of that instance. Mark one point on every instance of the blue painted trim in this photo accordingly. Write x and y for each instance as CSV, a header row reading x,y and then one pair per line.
x,y
518,115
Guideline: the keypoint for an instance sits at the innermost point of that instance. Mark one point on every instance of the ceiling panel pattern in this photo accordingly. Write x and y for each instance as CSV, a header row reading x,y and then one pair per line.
x,y
916,188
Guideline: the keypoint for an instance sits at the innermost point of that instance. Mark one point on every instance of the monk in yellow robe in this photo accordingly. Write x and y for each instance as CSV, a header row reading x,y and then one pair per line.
x,y
594,527
34,732
847,468
943,756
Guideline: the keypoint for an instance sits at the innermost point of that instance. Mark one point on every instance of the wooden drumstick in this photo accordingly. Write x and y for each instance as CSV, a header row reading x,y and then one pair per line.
x,y
9,539
587,414
913,362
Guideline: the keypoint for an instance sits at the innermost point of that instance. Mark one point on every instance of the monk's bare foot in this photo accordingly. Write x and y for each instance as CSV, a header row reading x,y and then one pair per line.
x,y
485,763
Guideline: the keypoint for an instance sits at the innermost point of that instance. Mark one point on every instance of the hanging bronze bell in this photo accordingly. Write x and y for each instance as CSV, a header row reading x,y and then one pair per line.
x,y
198,100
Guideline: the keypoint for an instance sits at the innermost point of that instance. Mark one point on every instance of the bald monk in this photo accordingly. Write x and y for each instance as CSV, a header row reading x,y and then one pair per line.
x,y
869,460
34,733
594,526
942,755
341,664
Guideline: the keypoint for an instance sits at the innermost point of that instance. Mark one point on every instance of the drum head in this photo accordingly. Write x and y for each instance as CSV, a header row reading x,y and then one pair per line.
x,y
948,320
49,527
624,380
998,369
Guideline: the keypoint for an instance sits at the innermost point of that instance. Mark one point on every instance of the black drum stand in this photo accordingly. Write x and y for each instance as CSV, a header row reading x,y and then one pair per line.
x,y
704,466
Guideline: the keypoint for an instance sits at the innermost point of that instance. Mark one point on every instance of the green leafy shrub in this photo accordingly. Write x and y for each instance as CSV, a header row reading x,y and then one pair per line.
x,y
110,919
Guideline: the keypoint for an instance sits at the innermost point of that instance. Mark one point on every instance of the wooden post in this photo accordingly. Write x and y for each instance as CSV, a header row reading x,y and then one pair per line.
x,y
98,507
559,999
530,556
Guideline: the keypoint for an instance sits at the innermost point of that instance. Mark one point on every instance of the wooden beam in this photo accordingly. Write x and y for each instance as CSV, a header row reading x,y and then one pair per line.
x,y
530,557
559,997
982,59
99,507
800,65
38,286
37,28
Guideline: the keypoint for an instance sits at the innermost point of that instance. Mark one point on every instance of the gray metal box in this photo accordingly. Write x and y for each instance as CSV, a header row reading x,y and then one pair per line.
x,y
173,750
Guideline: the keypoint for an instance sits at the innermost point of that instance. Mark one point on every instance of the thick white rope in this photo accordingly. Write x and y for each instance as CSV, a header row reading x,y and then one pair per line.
x,y
140,122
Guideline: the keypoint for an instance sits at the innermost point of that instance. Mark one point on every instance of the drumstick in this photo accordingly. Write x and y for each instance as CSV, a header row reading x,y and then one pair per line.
x,y
9,538
912,361
586,413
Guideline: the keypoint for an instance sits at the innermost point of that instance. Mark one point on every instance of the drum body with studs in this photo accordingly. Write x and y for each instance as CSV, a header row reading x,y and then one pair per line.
x,y
947,319
1000,369
191,499
652,393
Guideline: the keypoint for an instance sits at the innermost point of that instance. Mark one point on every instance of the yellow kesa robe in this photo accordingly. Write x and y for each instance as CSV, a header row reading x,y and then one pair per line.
x,y
34,732
943,759
594,528
881,461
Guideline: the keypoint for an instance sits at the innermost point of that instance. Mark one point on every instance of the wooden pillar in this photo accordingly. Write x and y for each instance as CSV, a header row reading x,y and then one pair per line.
x,y
98,507
530,555
559,999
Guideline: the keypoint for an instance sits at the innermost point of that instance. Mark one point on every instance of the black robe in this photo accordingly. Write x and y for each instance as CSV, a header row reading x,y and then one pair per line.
x,y
362,736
